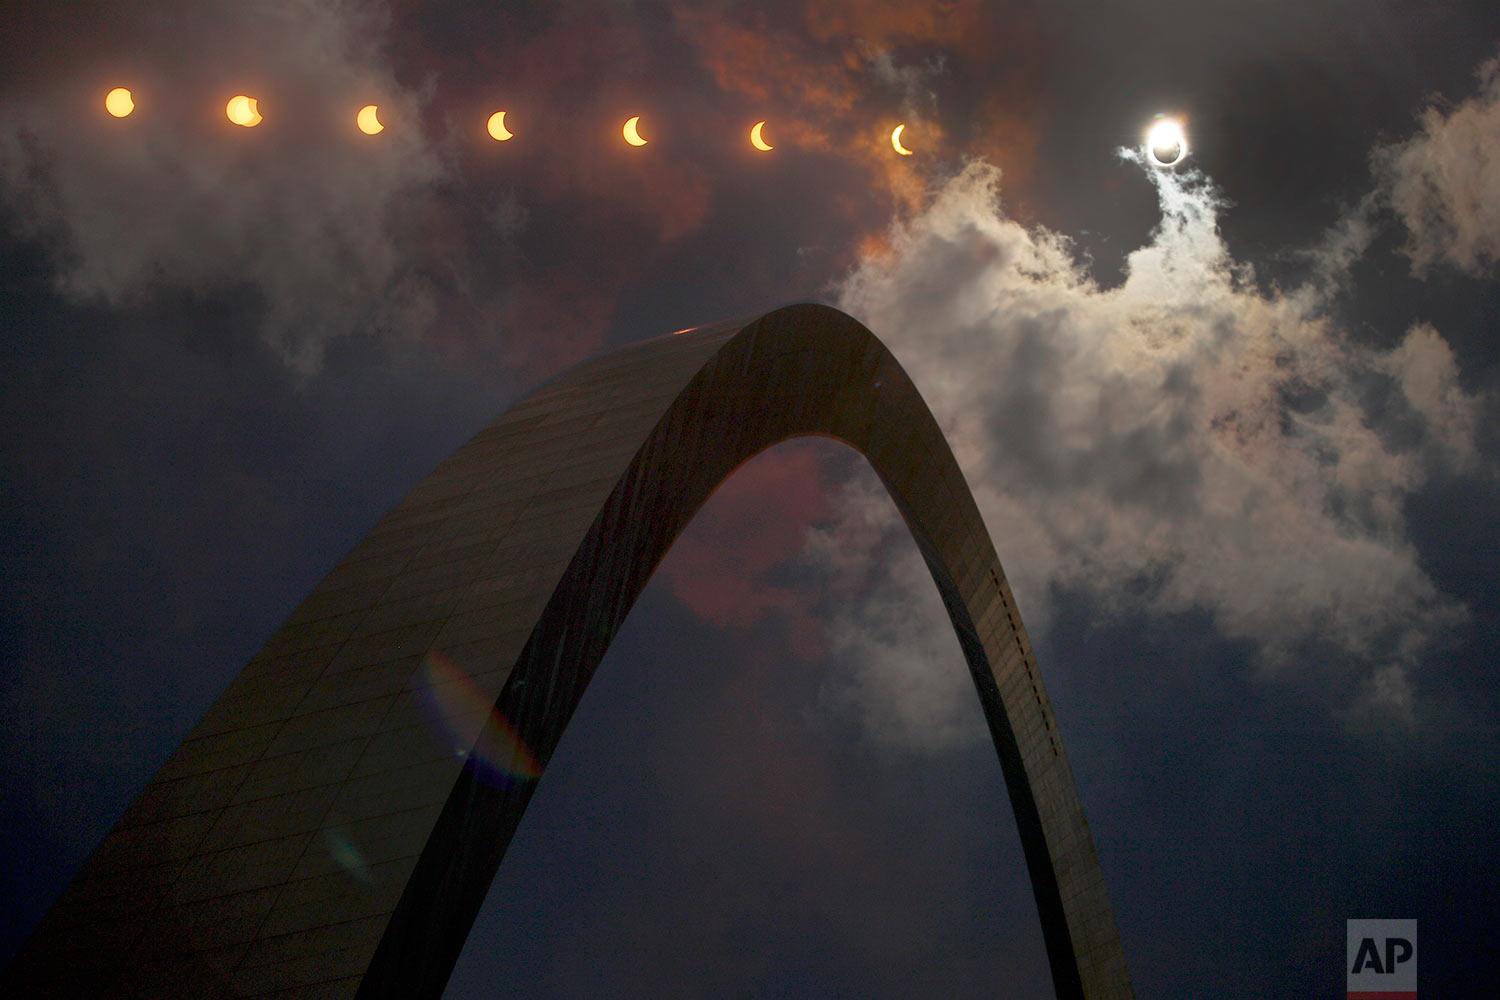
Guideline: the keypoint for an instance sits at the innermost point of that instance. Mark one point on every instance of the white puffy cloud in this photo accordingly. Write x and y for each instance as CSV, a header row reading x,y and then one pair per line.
x,y
1427,373
307,214
1182,441
1444,182
905,680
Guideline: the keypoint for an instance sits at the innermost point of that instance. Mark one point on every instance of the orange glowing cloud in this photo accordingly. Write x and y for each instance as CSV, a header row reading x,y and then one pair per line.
x,y
841,67
888,21
719,567
833,77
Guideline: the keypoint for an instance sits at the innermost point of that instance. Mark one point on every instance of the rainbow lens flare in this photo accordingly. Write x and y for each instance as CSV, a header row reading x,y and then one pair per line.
x,y
454,702
349,857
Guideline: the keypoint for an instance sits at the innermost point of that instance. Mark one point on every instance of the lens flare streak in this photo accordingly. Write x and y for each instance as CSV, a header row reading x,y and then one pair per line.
x,y
455,704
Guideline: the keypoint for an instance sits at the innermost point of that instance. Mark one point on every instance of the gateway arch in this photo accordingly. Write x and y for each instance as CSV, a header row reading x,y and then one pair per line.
x,y
332,825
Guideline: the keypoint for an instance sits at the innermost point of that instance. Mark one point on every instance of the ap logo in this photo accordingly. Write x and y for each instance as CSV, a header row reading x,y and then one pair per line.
x,y
1382,959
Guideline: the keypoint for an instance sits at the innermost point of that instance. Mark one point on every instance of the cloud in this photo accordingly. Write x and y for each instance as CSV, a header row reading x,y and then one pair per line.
x,y
1385,697
838,75
1184,441
724,566
904,678
1444,182
311,216
1424,368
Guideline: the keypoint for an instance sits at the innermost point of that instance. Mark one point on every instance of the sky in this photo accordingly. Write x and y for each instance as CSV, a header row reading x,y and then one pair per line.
x,y
1232,426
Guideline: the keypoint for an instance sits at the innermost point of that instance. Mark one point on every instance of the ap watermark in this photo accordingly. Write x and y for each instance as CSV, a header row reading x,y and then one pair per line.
x,y
1382,959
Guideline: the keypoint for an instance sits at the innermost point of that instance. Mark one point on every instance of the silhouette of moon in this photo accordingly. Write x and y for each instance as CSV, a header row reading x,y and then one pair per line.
x,y
1165,143
368,120
118,102
243,110
496,127
757,140
633,136
896,140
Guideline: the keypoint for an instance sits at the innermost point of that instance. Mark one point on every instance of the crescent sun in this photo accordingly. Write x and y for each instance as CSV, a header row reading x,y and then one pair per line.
x,y
497,128
757,140
631,132
368,120
896,140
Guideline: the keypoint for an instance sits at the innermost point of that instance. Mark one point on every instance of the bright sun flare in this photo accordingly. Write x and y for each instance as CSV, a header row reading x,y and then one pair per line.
x,y
1166,143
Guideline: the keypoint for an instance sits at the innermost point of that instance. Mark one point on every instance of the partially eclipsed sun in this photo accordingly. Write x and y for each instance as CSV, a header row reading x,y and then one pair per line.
x,y
758,140
497,128
632,133
118,102
368,120
896,140
243,110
